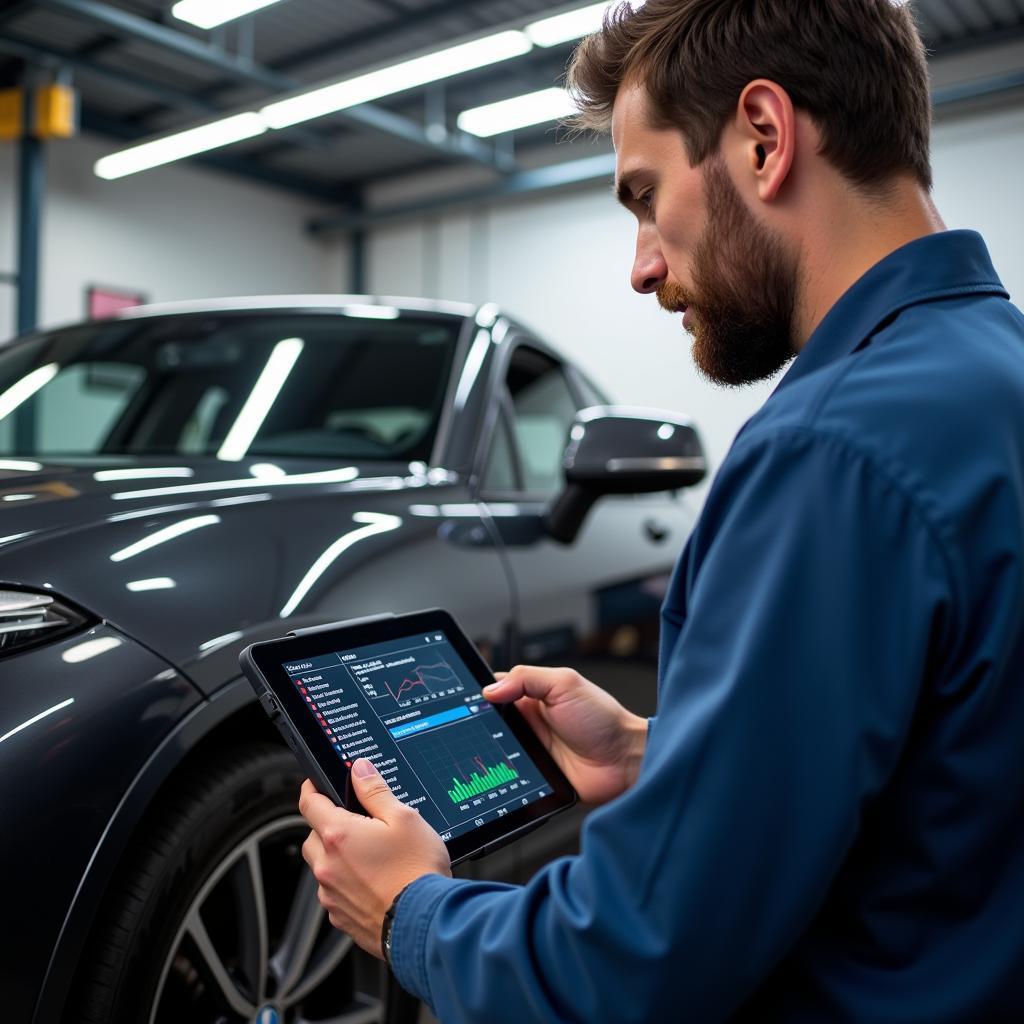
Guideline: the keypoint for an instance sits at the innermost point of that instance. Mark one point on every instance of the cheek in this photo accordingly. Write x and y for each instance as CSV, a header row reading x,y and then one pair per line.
x,y
677,239
677,260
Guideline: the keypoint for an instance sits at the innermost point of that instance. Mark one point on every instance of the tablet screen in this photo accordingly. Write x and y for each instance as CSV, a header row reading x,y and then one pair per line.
x,y
412,707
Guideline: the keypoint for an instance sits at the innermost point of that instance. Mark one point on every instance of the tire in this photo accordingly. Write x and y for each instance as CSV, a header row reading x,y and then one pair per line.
x,y
214,918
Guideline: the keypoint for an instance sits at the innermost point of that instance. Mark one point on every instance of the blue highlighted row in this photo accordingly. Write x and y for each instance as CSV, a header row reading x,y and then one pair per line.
x,y
428,723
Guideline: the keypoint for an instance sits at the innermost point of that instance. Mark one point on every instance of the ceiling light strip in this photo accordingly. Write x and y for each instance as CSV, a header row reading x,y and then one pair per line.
x,y
211,13
517,112
179,146
409,74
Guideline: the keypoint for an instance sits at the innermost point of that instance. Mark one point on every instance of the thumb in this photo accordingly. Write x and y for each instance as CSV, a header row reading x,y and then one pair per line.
x,y
372,791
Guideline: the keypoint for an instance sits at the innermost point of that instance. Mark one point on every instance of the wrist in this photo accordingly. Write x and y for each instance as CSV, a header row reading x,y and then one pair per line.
x,y
387,925
635,744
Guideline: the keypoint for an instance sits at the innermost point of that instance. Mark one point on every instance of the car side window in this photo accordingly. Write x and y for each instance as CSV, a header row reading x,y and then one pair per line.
x,y
543,409
500,474
76,409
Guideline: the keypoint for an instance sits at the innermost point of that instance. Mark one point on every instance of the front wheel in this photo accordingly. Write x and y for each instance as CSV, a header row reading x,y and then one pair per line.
x,y
214,918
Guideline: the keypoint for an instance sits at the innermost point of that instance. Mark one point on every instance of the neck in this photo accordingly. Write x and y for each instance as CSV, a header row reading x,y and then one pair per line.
x,y
854,234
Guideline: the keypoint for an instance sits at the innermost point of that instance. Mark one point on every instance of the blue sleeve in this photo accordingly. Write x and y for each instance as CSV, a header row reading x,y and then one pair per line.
x,y
816,592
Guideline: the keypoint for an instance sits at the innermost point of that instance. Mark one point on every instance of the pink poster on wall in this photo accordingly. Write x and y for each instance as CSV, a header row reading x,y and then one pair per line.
x,y
104,302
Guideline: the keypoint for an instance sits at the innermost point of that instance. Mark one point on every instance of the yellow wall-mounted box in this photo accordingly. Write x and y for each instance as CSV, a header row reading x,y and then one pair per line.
x,y
56,114
12,114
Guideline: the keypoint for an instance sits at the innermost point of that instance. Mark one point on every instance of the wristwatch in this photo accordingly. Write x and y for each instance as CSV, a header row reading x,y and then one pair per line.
x,y
385,928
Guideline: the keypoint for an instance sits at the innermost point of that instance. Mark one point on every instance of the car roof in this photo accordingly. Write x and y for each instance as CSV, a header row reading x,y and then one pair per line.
x,y
292,303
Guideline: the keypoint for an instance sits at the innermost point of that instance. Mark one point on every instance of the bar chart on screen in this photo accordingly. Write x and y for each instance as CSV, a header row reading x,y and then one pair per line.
x,y
468,764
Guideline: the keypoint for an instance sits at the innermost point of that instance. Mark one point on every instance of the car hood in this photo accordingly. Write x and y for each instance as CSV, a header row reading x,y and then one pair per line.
x,y
39,498
183,560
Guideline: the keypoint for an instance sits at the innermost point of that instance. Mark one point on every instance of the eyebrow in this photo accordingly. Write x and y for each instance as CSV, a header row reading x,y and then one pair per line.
x,y
623,193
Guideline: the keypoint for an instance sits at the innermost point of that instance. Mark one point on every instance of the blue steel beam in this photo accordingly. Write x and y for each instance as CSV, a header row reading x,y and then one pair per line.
x,y
543,179
31,189
353,41
962,91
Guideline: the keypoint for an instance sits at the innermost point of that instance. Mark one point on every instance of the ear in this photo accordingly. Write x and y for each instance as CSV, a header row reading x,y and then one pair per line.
x,y
766,123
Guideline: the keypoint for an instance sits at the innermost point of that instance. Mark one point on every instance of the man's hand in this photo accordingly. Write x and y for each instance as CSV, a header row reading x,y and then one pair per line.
x,y
591,736
362,863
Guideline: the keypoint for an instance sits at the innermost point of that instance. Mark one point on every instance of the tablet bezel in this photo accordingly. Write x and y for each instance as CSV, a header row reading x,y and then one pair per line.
x,y
269,658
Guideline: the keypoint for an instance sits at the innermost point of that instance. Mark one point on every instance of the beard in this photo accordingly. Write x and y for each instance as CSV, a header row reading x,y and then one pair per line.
x,y
744,291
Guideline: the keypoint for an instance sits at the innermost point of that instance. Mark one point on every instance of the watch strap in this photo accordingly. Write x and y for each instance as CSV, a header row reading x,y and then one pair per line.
x,y
388,924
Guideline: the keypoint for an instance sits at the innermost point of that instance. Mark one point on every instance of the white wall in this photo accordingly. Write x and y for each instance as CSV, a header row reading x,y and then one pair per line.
x,y
561,263
172,233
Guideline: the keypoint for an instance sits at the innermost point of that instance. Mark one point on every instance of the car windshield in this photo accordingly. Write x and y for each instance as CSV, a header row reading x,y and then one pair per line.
x,y
231,386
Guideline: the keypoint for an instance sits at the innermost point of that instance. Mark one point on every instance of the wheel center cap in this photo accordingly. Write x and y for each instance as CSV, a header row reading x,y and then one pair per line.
x,y
267,1015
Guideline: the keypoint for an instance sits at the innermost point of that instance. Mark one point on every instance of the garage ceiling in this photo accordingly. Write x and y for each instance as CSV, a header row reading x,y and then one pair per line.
x,y
141,72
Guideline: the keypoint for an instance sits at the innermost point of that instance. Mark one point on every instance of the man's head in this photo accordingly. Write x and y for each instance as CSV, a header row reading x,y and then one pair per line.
x,y
731,120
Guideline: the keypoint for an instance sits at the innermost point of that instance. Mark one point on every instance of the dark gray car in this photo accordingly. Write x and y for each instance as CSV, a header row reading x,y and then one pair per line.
x,y
180,482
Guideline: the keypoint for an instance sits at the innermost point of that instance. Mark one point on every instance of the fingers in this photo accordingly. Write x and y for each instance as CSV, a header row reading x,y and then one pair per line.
x,y
316,808
543,684
373,792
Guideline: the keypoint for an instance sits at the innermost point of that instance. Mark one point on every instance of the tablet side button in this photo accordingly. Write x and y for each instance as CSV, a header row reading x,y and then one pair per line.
x,y
270,704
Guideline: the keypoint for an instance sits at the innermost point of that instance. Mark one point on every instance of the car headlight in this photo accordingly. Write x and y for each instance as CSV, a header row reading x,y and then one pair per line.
x,y
28,619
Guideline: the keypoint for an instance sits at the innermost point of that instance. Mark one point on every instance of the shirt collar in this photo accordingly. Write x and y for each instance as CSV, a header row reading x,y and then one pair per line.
x,y
934,267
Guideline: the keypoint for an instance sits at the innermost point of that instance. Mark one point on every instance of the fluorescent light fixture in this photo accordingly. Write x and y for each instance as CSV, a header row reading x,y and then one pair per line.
x,y
180,145
376,522
409,74
90,649
518,112
371,312
572,24
157,583
261,398
211,13
25,388
36,718
104,475
164,535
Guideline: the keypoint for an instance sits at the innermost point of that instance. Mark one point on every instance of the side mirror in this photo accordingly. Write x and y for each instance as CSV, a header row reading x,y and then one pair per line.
x,y
615,450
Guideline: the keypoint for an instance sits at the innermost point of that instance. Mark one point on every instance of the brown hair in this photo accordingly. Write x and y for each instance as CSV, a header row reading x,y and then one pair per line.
x,y
857,67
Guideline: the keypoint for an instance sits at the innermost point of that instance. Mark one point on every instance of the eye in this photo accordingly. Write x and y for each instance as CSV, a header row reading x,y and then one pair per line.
x,y
646,199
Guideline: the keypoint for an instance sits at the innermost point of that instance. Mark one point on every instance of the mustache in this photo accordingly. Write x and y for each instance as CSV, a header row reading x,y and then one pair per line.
x,y
671,297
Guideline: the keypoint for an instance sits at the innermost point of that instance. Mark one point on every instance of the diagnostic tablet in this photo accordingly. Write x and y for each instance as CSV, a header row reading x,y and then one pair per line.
x,y
404,692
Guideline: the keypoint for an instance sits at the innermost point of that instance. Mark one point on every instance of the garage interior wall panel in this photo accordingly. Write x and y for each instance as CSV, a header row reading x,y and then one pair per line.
x,y
978,172
561,263
171,233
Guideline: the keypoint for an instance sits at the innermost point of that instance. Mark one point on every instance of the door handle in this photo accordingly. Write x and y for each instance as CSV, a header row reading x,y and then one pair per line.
x,y
656,532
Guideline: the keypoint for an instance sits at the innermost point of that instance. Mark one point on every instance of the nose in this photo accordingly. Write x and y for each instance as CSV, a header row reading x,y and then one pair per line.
x,y
649,267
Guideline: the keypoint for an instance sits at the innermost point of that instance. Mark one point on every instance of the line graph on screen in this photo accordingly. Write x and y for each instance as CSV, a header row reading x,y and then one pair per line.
x,y
438,676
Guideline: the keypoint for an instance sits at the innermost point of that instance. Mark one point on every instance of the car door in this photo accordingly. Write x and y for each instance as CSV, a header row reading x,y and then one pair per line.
x,y
593,604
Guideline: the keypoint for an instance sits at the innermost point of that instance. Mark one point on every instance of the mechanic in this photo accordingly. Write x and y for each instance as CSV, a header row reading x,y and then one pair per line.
x,y
825,821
